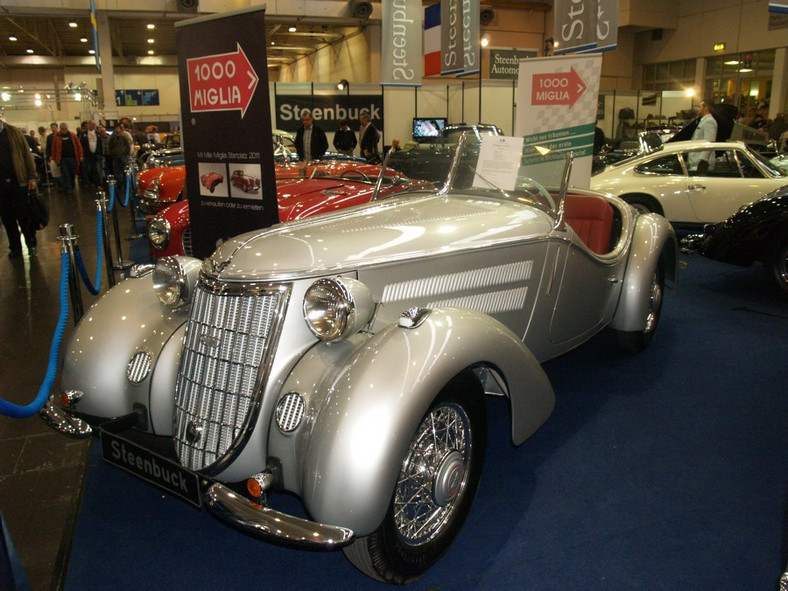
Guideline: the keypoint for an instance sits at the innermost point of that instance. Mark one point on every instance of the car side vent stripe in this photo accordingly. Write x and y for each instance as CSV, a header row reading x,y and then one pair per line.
x,y
487,277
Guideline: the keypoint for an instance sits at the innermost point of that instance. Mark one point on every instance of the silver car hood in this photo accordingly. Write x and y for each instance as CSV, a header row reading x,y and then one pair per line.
x,y
396,229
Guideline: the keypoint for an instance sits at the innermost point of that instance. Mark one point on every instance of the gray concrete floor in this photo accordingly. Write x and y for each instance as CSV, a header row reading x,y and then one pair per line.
x,y
41,472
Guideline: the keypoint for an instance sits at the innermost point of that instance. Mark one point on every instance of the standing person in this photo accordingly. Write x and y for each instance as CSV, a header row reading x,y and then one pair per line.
x,y
121,146
50,164
345,138
369,139
17,177
106,167
311,141
701,160
67,152
93,154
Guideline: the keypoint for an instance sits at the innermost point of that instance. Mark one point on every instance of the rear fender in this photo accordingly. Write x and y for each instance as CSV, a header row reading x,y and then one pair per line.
x,y
653,243
362,416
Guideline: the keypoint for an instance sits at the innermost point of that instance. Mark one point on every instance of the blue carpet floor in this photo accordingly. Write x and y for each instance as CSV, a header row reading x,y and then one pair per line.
x,y
661,470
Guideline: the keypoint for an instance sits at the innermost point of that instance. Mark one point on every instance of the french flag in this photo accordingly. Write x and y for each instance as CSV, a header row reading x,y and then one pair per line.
x,y
432,40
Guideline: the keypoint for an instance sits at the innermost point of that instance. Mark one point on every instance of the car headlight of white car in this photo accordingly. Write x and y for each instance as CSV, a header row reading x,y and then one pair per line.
x,y
174,280
337,307
159,232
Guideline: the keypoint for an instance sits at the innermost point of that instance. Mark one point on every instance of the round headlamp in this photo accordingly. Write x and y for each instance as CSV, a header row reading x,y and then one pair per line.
x,y
174,279
337,307
159,233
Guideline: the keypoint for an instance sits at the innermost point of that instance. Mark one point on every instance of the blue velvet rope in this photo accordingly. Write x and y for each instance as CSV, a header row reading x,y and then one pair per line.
x,y
111,197
22,412
128,190
99,256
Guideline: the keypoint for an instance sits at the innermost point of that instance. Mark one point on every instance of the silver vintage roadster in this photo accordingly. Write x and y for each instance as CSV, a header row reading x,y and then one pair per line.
x,y
345,358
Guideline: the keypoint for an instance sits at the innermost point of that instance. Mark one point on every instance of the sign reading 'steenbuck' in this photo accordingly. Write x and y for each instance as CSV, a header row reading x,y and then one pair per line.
x,y
226,134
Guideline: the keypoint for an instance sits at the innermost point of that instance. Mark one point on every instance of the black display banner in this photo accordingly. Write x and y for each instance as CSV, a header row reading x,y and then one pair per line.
x,y
327,110
226,132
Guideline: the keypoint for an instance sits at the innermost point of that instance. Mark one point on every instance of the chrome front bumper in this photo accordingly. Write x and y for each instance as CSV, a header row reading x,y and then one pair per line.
x,y
268,523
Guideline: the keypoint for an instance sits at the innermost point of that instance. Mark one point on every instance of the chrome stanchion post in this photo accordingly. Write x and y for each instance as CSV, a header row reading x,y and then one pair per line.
x,y
132,184
101,204
120,264
68,239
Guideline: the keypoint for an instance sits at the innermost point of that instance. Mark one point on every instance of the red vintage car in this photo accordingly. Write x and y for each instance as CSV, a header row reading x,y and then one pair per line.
x,y
248,184
210,180
330,188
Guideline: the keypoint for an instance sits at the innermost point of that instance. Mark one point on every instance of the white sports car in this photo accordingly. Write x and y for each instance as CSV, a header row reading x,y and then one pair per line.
x,y
664,182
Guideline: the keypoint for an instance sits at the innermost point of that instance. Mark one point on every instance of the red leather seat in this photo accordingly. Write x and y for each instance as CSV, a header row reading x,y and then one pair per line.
x,y
591,218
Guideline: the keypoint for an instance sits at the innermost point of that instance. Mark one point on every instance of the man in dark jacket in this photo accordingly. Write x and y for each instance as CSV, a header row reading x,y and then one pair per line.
x,y
67,152
17,177
369,139
345,138
92,153
311,141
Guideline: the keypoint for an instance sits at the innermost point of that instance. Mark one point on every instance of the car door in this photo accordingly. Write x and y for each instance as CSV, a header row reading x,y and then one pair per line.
x,y
732,180
665,177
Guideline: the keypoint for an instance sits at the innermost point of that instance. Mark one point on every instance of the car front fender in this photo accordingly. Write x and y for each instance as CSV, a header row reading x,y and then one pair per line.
x,y
653,242
126,321
351,454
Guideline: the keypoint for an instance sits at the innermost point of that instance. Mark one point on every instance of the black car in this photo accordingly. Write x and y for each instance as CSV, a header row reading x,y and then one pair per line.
x,y
757,232
430,162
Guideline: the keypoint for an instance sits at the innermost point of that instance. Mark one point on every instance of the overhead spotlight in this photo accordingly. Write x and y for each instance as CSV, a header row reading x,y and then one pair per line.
x,y
12,38
343,85
83,40
72,24
29,51
151,26
292,29
360,9
485,40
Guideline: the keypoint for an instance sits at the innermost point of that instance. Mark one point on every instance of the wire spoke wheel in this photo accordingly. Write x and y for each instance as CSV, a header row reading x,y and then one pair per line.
x,y
434,475
434,490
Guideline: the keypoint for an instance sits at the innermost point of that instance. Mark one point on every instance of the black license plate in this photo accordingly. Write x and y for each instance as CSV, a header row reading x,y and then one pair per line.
x,y
152,467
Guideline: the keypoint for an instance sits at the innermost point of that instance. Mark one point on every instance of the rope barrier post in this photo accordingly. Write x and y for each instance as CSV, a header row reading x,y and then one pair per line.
x,y
68,239
120,264
101,204
131,183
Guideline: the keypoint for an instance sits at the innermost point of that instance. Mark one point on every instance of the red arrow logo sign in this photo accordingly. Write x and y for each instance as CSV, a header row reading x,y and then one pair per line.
x,y
222,82
557,88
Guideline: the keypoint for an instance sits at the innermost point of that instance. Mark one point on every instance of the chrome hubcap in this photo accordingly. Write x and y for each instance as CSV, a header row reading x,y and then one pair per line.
x,y
433,476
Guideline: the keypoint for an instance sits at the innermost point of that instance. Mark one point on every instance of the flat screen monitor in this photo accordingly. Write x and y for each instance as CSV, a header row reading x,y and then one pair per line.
x,y
428,129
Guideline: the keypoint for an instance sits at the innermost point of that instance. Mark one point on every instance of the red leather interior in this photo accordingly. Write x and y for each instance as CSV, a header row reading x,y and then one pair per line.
x,y
591,218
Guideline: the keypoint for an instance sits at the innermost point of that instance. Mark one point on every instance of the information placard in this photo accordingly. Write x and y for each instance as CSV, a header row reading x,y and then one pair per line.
x,y
226,132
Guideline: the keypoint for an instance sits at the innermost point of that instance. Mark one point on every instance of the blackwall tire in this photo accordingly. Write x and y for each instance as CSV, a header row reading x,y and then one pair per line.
x,y
407,544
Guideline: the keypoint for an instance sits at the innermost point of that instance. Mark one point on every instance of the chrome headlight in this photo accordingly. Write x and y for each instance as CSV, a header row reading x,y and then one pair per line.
x,y
159,233
174,280
337,307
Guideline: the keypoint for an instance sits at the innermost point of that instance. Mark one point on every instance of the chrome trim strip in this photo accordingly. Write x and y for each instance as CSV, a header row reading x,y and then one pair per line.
x,y
268,523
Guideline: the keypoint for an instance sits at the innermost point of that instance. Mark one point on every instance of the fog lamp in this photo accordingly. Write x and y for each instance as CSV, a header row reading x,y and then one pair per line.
x,y
159,233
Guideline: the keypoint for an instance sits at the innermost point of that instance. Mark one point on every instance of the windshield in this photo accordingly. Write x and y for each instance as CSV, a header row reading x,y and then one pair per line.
x,y
771,169
508,167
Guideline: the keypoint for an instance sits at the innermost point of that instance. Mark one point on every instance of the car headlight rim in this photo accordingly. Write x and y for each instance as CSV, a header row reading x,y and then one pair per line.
x,y
174,279
337,307
159,233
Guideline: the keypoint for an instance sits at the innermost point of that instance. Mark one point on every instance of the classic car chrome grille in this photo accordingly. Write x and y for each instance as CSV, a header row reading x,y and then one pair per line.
x,y
186,241
222,370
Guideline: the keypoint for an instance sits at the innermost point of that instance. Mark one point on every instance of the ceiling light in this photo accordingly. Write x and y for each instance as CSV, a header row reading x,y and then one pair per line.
x,y
91,51
5,96
151,52
292,29
38,103
151,41
732,63
343,84
745,70
485,40
29,50
151,26
77,96
84,39
72,24
11,38
273,42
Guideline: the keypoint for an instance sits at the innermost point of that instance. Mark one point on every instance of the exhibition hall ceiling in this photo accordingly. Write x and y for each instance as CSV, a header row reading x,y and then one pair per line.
x,y
27,41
